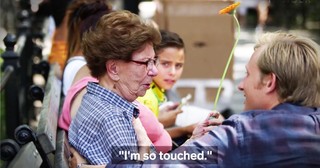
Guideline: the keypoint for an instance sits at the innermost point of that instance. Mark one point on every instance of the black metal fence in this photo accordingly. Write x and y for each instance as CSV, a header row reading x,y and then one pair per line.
x,y
21,60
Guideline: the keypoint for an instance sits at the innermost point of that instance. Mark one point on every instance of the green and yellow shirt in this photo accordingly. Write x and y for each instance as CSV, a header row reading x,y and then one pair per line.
x,y
153,98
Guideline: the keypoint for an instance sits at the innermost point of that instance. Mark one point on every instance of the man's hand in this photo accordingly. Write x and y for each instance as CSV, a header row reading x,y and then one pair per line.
x,y
75,158
213,119
77,161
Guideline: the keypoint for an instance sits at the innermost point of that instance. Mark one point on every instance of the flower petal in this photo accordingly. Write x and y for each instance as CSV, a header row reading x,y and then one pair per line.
x,y
229,9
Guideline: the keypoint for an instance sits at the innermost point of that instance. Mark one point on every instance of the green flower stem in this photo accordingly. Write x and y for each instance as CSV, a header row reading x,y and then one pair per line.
x,y
228,63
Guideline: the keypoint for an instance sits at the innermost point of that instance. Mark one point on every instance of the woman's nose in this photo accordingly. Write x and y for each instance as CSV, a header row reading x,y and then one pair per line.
x,y
154,71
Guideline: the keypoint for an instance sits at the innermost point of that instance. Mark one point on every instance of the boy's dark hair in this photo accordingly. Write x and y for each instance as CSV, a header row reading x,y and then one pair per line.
x,y
169,39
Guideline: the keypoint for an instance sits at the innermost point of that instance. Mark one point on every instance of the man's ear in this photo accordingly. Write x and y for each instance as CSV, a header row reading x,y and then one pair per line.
x,y
112,69
270,81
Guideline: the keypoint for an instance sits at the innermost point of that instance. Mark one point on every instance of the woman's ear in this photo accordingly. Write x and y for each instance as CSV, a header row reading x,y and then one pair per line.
x,y
112,69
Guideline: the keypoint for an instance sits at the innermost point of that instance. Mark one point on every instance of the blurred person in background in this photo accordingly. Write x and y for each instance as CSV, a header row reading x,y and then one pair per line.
x,y
262,9
82,15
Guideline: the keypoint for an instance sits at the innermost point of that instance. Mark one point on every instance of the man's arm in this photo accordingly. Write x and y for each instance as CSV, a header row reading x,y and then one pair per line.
x,y
217,148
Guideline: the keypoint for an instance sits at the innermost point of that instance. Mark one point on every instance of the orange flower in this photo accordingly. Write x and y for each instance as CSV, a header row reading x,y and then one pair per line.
x,y
229,9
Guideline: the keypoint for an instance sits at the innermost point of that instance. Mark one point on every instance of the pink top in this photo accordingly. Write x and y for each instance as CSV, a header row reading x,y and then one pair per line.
x,y
65,117
155,130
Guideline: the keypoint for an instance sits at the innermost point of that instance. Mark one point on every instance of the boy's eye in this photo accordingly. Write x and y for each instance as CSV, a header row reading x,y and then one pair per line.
x,y
179,66
165,64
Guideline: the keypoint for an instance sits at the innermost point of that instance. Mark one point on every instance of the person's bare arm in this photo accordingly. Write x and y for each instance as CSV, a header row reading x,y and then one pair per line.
x,y
82,72
176,132
76,102
198,129
144,142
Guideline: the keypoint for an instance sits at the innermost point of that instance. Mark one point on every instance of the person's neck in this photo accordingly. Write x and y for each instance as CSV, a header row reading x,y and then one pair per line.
x,y
106,82
272,101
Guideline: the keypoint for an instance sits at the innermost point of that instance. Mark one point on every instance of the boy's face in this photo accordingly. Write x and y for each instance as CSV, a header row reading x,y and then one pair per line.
x,y
171,62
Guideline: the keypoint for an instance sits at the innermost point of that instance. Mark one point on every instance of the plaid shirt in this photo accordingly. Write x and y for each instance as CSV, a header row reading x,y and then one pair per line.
x,y
286,136
103,126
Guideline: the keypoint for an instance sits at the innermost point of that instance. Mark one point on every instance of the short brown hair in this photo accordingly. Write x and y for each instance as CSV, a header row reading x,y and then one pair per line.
x,y
116,36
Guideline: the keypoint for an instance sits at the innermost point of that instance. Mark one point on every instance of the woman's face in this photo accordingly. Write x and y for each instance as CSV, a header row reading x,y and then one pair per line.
x,y
135,76
171,61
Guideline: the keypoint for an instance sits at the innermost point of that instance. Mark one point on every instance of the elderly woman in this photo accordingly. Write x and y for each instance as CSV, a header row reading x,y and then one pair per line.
x,y
84,14
119,53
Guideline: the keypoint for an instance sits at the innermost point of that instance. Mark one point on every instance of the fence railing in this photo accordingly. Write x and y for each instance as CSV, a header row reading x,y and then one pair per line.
x,y
21,60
